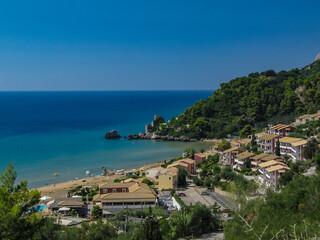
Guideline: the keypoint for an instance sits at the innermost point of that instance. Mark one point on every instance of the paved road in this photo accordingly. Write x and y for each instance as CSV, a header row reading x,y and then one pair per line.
x,y
223,201
193,195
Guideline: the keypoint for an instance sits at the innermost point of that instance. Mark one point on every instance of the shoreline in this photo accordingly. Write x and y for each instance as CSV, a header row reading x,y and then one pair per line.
x,y
60,190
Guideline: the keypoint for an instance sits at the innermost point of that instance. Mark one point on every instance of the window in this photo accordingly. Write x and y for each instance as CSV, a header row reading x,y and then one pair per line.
x,y
104,190
114,190
124,190
169,178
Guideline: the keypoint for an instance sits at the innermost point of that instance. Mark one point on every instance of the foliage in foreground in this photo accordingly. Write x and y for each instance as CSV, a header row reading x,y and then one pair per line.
x,y
293,213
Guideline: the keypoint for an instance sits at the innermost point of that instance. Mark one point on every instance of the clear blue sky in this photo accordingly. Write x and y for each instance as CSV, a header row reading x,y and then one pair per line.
x,y
151,45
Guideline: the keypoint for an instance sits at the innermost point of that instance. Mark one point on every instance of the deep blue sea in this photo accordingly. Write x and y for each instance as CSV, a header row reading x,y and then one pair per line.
x,y
63,132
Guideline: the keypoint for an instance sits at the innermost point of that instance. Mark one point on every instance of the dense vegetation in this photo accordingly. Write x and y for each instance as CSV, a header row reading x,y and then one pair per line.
x,y
293,213
259,98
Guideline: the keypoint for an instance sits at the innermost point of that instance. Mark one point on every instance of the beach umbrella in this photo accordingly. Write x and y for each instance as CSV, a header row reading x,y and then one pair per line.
x,y
45,198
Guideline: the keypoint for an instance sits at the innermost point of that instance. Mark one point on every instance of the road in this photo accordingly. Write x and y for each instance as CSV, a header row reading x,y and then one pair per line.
x,y
193,195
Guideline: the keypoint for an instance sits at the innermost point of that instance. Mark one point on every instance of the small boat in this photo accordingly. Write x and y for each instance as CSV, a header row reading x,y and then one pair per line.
x,y
55,174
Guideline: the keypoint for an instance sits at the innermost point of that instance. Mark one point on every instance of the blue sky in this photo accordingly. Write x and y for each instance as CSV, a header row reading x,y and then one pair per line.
x,y
151,45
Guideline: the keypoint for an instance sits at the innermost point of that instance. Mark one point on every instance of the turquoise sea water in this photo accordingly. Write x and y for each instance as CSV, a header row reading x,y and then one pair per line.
x,y
63,132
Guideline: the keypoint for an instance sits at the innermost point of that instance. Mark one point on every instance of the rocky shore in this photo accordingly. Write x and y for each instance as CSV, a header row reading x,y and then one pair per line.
x,y
150,135
153,136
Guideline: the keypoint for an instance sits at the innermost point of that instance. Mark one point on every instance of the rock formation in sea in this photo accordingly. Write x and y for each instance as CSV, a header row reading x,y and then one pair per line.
x,y
112,135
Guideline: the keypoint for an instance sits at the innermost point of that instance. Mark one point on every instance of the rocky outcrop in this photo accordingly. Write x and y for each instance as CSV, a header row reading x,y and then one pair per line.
x,y
112,135
153,136
317,57
150,135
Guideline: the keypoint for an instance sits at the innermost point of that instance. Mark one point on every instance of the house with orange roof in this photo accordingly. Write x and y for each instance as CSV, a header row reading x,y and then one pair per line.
x,y
267,143
242,160
271,171
293,147
227,157
199,157
113,197
281,129
191,165
303,119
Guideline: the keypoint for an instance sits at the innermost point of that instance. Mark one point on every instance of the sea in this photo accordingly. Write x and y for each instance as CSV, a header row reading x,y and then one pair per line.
x,y
43,133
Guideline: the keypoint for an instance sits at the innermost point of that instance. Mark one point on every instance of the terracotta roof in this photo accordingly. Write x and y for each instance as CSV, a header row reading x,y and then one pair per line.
x,y
143,193
245,155
270,163
172,171
188,160
315,115
268,136
271,157
176,164
117,185
231,149
277,167
70,203
299,143
257,157
290,139
305,116
200,154
280,127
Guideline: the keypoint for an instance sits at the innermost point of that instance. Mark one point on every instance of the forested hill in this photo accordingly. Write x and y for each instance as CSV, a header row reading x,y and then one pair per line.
x,y
258,99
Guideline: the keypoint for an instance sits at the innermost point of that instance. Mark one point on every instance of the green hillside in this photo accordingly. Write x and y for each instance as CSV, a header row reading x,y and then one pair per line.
x,y
258,99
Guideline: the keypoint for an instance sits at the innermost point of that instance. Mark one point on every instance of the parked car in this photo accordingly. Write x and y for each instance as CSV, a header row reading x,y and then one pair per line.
x,y
182,194
205,194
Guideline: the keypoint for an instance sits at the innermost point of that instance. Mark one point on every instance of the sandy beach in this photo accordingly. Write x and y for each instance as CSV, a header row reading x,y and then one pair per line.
x,y
60,190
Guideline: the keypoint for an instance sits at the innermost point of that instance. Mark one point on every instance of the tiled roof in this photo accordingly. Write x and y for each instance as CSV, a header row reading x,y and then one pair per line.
x,y
188,160
270,163
245,155
277,167
231,149
280,127
271,157
200,154
117,185
290,139
299,143
268,136
259,156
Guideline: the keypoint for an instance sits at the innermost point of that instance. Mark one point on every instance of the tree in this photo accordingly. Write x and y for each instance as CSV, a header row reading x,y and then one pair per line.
x,y
147,181
189,152
278,153
73,213
182,175
149,229
311,149
246,131
17,218
193,221
96,212
224,145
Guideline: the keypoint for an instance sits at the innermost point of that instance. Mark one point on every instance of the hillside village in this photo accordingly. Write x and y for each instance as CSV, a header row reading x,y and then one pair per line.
x,y
212,178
